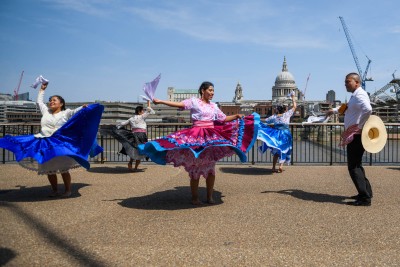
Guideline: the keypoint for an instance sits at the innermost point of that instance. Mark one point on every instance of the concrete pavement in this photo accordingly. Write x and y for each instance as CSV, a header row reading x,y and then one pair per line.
x,y
118,218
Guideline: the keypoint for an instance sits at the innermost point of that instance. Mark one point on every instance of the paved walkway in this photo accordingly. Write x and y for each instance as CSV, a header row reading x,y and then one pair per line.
x,y
117,218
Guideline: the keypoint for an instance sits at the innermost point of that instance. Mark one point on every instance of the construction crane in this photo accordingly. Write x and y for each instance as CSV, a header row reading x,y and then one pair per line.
x,y
303,93
363,75
16,90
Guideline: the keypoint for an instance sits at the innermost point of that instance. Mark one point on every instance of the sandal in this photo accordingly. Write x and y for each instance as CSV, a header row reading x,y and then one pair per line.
x,y
66,194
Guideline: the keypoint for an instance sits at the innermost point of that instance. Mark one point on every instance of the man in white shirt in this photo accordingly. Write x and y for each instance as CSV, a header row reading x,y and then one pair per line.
x,y
357,113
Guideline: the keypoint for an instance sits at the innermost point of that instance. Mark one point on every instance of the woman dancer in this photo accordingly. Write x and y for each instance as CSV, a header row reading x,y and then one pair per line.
x,y
278,138
131,139
212,137
66,139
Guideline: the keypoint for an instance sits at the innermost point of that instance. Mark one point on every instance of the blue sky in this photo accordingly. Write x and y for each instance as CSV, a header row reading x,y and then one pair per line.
x,y
107,49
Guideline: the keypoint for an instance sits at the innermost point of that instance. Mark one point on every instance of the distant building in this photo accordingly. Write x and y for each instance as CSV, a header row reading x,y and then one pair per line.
x,y
168,114
178,95
238,94
9,97
113,111
19,111
284,85
331,96
6,97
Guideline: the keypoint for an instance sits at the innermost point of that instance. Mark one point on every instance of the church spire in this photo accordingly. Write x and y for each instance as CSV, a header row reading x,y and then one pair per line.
x,y
284,66
238,93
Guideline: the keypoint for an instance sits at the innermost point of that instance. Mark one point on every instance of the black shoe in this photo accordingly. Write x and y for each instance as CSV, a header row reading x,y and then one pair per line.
x,y
360,203
356,197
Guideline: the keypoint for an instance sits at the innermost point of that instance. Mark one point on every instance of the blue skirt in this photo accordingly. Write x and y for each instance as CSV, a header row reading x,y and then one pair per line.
x,y
75,141
278,139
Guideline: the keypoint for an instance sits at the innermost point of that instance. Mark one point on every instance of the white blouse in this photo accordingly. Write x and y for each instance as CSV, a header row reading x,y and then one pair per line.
x,y
137,121
52,122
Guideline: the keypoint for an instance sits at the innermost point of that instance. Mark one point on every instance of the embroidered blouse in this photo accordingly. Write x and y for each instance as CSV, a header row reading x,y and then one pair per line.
x,y
201,111
284,119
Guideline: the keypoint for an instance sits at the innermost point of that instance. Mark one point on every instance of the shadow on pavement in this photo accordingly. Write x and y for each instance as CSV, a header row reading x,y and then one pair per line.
x,y
52,237
114,170
308,196
248,171
6,255
40,193
175,199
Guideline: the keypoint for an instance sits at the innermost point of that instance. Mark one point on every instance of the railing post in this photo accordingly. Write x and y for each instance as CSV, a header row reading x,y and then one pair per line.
x,y
370,159
4,150
102,152
331,141
253,155
291,153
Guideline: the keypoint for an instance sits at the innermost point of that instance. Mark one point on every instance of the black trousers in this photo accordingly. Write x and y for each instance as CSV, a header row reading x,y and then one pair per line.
x,y
355,151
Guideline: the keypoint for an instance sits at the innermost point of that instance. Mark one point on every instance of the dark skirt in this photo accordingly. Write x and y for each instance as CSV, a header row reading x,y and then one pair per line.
x,y
129,141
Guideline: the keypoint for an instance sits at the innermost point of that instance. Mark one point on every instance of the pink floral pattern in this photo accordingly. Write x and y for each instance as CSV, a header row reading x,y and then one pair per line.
x,y
203,165
201,111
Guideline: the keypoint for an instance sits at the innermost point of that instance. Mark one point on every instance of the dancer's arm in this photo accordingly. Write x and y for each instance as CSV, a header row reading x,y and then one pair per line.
x,y
294,103
233,117
149,110
43,107
169,103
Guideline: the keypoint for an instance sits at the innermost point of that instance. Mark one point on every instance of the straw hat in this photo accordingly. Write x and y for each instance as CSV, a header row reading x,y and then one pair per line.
x,y
374,135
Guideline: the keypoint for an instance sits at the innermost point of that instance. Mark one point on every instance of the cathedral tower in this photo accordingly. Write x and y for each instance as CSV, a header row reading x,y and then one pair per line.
x,y
284,85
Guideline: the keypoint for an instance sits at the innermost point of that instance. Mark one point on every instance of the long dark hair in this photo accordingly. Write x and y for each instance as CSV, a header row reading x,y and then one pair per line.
x,y
138,109
205,86
62,101
280,109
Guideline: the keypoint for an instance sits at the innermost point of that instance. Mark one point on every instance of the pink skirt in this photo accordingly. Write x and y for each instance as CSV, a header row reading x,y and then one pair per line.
x,y
198,148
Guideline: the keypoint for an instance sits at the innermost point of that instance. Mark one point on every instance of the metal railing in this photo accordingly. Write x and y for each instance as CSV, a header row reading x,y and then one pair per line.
x,y
315,144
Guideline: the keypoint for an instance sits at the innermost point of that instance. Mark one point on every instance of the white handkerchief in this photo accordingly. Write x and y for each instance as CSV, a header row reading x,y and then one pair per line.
x,y
317,119
39,80
290,94
145,98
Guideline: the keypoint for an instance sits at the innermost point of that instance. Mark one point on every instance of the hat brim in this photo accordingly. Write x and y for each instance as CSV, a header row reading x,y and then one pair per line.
x,y
374,135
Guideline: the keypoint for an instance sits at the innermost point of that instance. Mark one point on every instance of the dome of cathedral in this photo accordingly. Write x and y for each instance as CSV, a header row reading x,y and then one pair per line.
x,y
284,84
284,77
